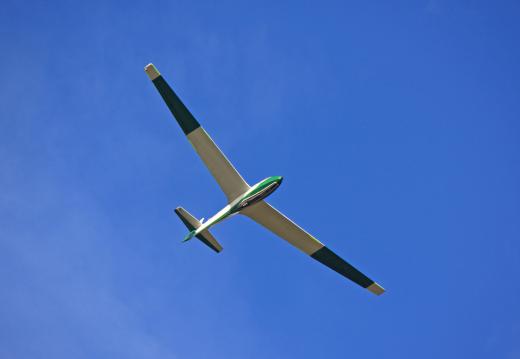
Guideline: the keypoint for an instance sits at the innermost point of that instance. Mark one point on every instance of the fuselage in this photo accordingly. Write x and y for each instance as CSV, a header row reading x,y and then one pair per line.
x,y
255,194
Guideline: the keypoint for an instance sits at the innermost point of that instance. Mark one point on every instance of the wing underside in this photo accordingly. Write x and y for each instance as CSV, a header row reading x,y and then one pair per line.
x,y
227,177
233,185
270,218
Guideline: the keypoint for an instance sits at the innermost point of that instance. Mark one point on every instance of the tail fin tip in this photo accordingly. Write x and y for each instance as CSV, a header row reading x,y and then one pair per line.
x,y
189,236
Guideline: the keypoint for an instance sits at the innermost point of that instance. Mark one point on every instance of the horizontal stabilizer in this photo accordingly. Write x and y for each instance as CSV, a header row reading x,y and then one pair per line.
x,y
192,223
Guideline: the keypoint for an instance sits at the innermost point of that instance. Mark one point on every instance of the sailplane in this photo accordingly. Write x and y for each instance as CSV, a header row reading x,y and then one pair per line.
x,y
243,198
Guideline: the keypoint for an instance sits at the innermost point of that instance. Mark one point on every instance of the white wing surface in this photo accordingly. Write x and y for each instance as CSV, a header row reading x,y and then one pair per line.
x,y
266,215
227,177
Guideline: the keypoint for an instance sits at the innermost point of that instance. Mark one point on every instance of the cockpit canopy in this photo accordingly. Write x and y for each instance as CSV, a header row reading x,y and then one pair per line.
x,y
259,196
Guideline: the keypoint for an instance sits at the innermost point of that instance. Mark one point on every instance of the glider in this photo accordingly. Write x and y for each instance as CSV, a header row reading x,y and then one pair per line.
x,y
244,199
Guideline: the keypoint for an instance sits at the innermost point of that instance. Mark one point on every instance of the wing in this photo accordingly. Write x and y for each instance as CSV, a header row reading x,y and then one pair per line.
x,y
267,216
229,180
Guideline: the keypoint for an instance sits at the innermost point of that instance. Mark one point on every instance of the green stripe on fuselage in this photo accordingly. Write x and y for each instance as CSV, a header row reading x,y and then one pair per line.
x,y
259,187
183,116
253,191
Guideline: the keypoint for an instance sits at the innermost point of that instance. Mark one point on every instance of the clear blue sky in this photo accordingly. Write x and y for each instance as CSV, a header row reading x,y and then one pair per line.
x,y
396,126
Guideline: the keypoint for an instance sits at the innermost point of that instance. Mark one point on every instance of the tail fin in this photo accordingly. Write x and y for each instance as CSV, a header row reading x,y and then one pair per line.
x,y
189,236
192,223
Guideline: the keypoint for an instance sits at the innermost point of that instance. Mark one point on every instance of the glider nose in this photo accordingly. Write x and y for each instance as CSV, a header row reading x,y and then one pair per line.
x,y
278,179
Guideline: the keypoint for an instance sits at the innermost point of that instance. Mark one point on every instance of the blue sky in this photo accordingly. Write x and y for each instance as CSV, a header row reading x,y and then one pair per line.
x,y
396,128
